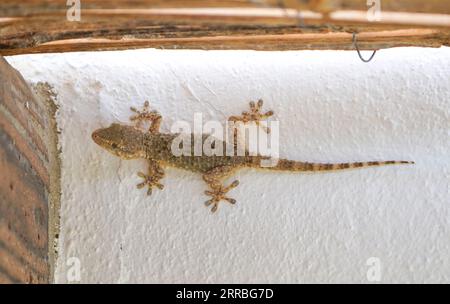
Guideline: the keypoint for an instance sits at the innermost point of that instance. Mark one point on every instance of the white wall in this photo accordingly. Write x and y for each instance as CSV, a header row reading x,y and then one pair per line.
x,y
285,227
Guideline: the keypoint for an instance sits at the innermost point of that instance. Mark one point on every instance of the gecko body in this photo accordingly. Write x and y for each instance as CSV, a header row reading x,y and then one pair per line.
x,y
132,142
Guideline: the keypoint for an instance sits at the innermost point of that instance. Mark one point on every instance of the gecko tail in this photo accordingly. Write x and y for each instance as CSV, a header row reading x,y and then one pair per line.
x,y
291,165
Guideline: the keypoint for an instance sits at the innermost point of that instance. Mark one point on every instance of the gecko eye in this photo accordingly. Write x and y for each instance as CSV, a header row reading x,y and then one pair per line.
x,y
114,146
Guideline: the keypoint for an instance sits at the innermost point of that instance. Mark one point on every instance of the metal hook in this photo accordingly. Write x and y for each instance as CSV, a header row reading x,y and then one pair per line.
x,y
355,43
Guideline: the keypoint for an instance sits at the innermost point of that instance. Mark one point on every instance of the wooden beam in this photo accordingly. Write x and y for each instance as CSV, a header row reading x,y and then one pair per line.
x,y
33,7
413,6
248,41
207,28
29,183
111,30
24,8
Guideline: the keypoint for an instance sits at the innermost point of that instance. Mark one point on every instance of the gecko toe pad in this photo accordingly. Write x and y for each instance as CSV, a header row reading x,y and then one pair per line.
x,y
150,181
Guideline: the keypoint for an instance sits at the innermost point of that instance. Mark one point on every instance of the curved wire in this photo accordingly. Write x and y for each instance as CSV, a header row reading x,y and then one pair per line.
x,y
355,43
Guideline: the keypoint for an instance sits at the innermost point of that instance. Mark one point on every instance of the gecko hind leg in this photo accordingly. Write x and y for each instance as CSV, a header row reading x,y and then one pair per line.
x,y
155,174
254,115
146,115
218,191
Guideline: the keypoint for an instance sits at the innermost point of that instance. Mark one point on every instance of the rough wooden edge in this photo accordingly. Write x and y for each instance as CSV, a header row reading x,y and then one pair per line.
x,y
46,93
13,8
173,29
30,187
274,42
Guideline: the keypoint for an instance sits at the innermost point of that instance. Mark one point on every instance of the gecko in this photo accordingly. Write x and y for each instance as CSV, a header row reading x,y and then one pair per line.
x,y
135,142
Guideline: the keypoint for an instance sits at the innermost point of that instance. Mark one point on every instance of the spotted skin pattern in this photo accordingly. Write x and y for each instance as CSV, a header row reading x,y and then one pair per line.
x,y
133,142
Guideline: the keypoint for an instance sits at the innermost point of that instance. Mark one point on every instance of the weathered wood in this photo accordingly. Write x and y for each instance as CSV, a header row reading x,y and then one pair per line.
x,y
121,24
415,6
100,30
23,8
27,192
325,41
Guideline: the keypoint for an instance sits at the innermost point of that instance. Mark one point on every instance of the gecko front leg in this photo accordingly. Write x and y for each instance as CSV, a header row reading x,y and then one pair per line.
x,y
254,115
214,180
155,174
146,115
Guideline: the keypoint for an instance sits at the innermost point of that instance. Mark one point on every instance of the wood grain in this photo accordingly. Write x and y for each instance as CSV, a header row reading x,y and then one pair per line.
x,y
42,26
23,8
26,184
106,32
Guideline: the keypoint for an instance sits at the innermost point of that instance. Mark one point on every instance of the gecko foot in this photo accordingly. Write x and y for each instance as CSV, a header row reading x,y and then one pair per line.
x,y
146,115
254,115
218,193
150,181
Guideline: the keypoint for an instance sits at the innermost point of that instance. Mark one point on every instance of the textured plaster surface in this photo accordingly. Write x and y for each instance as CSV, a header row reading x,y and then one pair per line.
x,y
285,227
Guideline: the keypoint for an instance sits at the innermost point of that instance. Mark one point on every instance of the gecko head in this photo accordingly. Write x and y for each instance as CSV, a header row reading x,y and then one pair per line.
x,y
123,141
